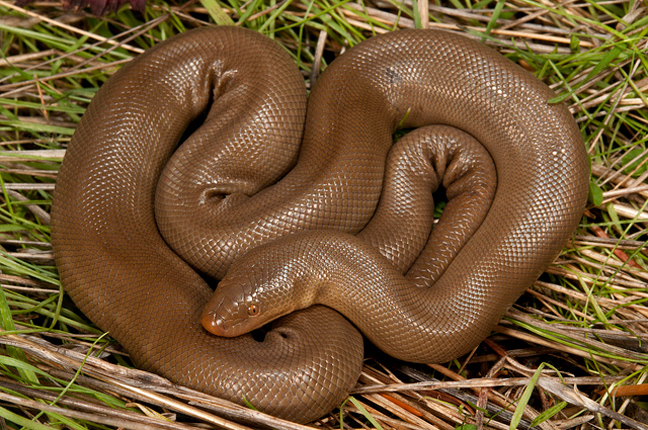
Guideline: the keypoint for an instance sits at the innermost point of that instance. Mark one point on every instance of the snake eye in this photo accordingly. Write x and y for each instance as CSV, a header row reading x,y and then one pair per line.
x,y
253,310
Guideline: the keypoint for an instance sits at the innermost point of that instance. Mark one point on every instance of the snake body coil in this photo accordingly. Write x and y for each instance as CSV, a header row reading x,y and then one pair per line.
x,y
240,180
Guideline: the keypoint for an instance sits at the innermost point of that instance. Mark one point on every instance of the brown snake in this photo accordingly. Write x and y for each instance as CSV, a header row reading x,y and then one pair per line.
x,y
240,180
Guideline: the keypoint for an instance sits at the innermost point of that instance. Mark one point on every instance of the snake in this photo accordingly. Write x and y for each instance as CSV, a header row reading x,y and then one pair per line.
x,y
206,158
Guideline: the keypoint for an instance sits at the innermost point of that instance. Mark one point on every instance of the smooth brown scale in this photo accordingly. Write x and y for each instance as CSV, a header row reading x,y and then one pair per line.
x,y
123,182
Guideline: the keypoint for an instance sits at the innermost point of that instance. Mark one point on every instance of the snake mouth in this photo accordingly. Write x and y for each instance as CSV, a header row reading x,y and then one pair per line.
x,y
212,323
218,325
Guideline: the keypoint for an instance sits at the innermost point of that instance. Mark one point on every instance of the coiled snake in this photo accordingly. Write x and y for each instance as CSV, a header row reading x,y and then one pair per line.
x,y
256,165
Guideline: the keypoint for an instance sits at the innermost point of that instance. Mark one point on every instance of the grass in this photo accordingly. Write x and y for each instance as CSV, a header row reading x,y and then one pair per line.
x,y
571,353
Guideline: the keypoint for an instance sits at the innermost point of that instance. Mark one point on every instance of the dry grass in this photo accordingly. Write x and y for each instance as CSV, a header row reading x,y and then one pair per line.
x,y
572,352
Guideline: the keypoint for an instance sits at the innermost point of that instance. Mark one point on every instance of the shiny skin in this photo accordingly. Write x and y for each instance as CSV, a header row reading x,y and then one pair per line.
x,y
135,218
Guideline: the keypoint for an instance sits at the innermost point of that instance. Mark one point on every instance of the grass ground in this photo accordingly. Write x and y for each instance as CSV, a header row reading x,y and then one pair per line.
x,y
571,353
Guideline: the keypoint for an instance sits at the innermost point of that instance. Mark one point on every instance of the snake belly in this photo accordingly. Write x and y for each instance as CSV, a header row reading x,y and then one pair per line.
x,y
129,202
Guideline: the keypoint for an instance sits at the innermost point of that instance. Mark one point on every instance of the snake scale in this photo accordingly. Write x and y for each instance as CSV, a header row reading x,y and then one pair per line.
x,y
140,224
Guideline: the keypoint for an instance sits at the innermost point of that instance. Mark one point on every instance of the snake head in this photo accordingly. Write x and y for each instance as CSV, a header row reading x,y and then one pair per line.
x,y
231,314
254,292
